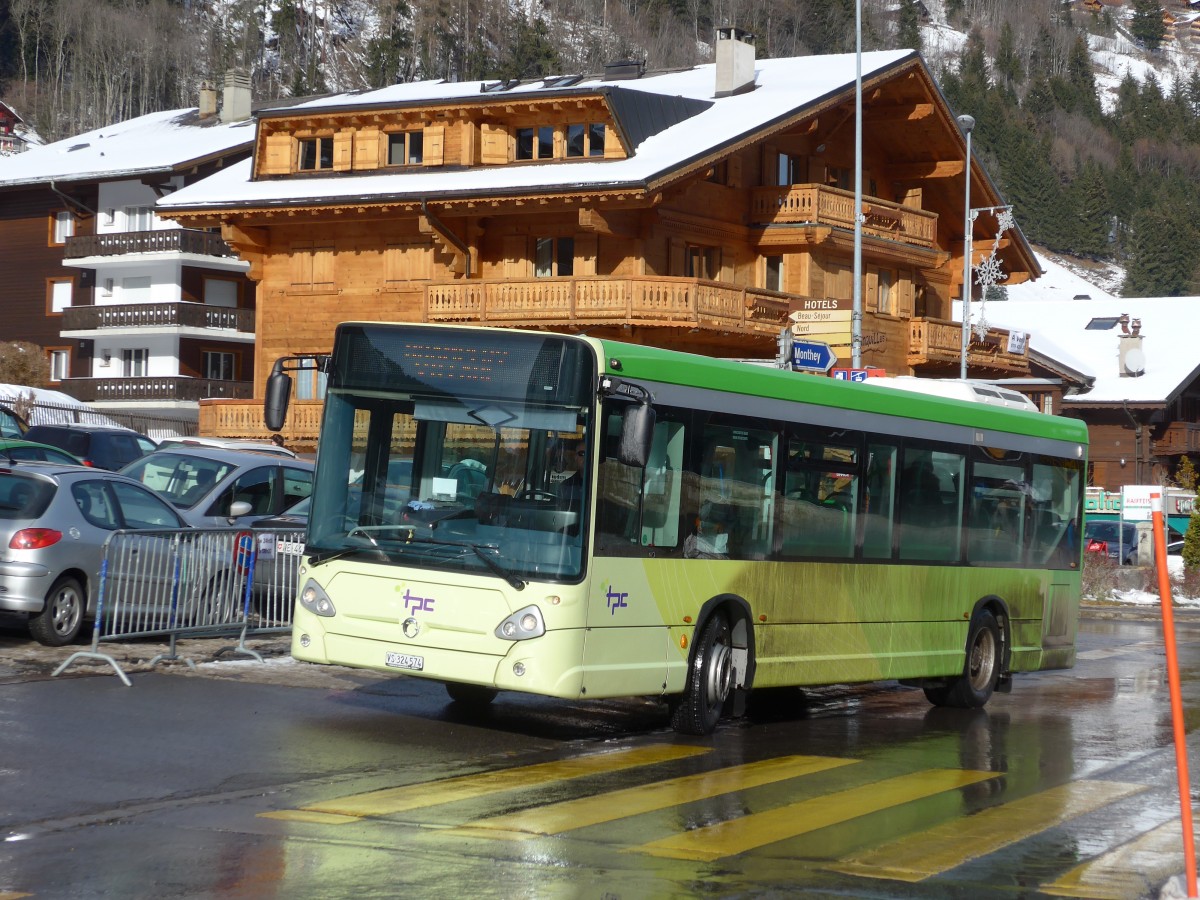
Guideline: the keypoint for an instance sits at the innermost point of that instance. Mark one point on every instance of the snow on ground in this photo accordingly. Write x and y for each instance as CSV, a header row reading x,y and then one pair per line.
x,y
1146,598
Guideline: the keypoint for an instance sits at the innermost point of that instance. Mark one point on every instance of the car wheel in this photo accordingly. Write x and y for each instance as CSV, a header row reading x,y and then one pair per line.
x,y
61,618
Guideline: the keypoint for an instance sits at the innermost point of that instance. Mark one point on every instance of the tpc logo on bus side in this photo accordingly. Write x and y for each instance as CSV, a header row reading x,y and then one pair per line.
x,y
616,600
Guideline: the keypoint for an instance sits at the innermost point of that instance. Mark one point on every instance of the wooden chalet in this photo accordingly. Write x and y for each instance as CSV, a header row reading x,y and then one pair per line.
x,y
702,209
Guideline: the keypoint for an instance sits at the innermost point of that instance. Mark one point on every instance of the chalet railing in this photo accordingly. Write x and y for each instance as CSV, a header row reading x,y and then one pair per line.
x,y
167,240
1179,437
639,300
823,205
238,419
158,315
934,341
179,387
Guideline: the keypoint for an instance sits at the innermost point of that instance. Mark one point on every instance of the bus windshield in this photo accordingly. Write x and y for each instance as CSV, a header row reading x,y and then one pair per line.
x,y
446,451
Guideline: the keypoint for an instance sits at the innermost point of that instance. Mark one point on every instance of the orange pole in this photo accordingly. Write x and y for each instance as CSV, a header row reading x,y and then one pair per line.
x,y
1181,763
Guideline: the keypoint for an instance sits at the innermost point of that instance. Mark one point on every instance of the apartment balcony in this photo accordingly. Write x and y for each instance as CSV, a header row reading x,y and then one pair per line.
x,y
587,302
168,240
183,318
169,389
937,344
818,204
1177,438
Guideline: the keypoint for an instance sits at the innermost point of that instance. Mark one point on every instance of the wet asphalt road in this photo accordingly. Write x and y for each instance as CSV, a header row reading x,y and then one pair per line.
x,y
277,779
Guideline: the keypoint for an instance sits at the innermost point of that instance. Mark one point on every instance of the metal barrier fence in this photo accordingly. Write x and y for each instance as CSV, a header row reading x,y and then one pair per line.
x,y
193,582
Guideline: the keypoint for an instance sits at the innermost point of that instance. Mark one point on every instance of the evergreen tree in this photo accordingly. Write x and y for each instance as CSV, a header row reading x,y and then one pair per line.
x,y
1161,262
1185,475
1147,23
1092,211
908,34
1191,543
532,53
1009,70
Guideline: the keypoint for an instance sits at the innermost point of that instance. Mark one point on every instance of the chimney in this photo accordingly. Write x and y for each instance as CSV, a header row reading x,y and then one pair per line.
x,y
624,70
1131,359
208,100
235,103
735,61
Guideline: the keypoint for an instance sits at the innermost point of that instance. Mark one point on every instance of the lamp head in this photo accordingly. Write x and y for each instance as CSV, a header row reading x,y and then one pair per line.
x,y
966,123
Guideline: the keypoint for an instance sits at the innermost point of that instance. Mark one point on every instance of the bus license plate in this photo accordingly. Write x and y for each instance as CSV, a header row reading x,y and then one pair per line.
x,y
405,661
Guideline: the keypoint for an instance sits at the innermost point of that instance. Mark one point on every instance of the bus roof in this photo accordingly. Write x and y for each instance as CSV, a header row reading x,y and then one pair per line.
x,y
674,367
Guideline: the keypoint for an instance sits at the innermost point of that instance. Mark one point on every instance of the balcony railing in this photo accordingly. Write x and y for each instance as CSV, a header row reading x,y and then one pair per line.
x,y
1179,437
167,240
937,342
172,387
158,315
238,419
637,300
821,205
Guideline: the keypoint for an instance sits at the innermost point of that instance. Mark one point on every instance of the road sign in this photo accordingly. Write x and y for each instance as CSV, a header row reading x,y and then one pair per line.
x,y
812,356
857,374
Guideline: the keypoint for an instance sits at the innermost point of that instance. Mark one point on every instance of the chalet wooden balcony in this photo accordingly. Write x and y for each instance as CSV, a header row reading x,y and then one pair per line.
x,y
168,240
180,314
238,419
1179,437
168,388
821,205
635,300
938,343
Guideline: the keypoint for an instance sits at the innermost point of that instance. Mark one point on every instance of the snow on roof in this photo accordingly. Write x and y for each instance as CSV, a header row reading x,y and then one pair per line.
x,y
1056,309
783,86
158,142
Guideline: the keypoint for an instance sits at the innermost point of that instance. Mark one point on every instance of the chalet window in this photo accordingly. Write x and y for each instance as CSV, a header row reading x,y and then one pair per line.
x,y
585,140
886,292
60,364
219,366
702,262
316,153
311,267
773,273
535,143
221,292
58,294
839,177
310,382
406,148
554,256
62,226
791,169
136,361
138,218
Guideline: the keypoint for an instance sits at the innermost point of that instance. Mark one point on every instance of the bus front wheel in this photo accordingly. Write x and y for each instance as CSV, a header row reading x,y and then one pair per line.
x,y
709,682
974,687
470,694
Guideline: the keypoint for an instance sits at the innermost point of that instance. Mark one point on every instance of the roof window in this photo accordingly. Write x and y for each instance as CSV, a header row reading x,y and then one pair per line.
x,y
1102,323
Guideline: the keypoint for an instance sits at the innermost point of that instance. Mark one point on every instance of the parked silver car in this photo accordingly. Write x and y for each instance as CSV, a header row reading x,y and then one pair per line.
x,y
54,520
211,487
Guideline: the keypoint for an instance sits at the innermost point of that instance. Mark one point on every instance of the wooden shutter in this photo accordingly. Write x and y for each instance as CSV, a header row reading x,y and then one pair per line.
x,y
366,148
612,144
676,263
343,151
301,268
493,144
586,248
322,268
733,172
434,149
516,262
277,155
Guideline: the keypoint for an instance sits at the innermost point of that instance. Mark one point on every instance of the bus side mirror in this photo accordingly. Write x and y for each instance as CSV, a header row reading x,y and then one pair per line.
x,y
279,392
637,433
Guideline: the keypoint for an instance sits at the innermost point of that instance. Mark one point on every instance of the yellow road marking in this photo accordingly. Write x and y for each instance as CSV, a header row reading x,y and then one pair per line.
x,y
305,815
918,856
556,818
13,895
1130,870
466,787
759,829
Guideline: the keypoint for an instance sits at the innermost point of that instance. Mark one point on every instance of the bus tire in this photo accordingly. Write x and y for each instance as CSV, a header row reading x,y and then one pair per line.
x,y
974,687
709,681
470,694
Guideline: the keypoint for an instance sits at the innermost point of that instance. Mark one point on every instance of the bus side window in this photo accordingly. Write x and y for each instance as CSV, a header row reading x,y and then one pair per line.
x,y
931,487
1055,503
996,524
820,499
880,501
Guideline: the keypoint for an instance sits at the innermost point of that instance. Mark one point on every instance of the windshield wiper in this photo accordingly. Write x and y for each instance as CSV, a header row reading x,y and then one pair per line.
x,y
478,550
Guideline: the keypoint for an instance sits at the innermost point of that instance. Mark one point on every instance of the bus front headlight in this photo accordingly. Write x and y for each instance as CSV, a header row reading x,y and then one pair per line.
x,y
315,600
523,624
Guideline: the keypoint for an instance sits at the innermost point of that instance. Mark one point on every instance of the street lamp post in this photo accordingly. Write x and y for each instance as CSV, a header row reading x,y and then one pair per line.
x,y
856,316
968,125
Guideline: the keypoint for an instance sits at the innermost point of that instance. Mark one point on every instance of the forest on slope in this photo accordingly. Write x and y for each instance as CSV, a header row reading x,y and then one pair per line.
x,y
1110,178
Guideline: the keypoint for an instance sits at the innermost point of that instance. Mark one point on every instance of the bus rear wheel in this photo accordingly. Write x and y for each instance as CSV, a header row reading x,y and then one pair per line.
x,y
974,687
709,682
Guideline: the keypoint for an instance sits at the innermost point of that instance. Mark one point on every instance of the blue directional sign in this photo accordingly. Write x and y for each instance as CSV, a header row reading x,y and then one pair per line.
x,y
812,356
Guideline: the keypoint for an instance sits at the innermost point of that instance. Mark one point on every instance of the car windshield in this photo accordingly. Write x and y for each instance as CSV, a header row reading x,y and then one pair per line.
x,y
184,479
1107,531
22,497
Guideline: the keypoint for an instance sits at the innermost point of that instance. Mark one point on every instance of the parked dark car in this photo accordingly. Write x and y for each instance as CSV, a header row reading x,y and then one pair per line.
x,y
100,446
1120,546
13,451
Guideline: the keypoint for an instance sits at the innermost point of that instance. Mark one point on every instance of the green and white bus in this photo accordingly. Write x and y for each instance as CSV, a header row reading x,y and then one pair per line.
x,y
504,510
